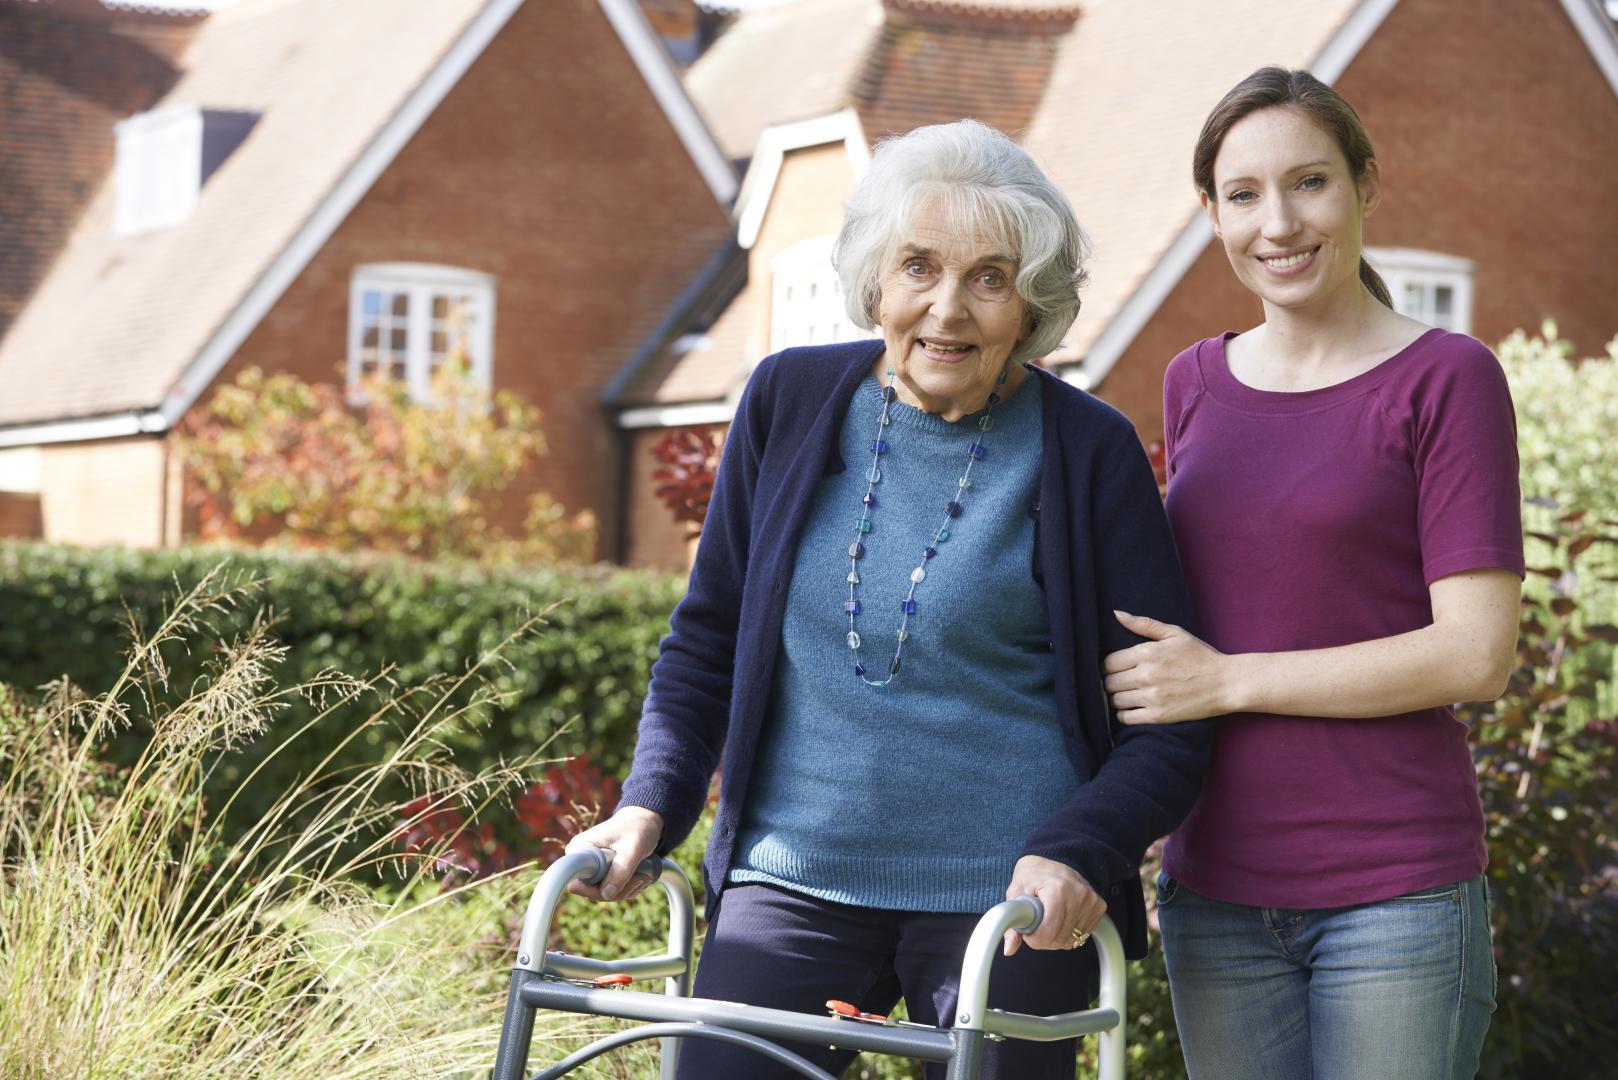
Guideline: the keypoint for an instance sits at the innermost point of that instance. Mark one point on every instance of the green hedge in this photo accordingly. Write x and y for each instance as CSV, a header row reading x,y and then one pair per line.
x,y
67,612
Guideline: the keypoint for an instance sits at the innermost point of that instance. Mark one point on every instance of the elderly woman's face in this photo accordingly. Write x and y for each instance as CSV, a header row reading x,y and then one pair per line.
x,y
950,316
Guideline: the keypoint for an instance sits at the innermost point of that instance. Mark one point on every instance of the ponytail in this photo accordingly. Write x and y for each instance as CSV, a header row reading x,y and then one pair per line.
x,y
1373,281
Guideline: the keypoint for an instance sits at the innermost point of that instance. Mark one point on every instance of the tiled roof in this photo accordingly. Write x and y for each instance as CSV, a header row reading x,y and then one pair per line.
x,y
1110,105
1126,99
937,62
143,306
794,61
68,72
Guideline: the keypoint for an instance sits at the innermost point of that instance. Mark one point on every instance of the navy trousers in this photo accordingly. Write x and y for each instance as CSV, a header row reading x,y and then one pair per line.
x,y
772,947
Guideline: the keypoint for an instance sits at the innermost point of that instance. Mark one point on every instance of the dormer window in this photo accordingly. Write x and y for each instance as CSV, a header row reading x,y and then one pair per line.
x,y
165,156
806,303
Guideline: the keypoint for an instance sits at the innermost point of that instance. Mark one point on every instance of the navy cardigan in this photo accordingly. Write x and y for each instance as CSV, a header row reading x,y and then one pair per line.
x,y
1101,542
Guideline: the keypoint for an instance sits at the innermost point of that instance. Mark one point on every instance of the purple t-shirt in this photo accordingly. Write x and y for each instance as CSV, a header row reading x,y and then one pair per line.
x,y
1319,518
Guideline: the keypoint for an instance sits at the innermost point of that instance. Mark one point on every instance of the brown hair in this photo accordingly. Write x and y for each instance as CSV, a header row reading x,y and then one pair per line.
x,y
1267,88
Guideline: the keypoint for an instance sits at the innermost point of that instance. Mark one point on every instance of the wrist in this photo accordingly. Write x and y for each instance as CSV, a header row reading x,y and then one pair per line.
x,y
1236,677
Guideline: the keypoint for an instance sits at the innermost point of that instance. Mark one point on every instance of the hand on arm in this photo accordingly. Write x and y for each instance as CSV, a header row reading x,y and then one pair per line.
x,y
1070,903
1464,654
631,834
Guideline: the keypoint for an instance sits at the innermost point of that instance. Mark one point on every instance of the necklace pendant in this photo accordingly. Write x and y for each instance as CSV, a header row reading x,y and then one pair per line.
x,y
874,475
853,640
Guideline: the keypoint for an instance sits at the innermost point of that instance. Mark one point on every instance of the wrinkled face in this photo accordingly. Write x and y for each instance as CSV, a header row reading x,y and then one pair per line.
x,y
1287,209
950,315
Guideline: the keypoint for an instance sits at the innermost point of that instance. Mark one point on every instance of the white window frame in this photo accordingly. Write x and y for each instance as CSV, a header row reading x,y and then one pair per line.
x,y
158,175
818,318
421,282
1404,269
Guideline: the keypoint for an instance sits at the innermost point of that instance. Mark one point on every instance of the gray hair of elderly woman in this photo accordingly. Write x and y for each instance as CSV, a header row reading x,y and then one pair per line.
x,y
989,187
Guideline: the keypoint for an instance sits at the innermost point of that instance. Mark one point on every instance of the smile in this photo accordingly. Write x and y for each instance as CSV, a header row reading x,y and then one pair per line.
x,y
1286,262
941,347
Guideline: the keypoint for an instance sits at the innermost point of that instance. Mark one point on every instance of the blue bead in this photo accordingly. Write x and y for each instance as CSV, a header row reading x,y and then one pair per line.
x,y
851,606
879,447
941,535
953,509
907,606
863,525
893,668
859,669
869,499
928,553
975,450
887,393
994,399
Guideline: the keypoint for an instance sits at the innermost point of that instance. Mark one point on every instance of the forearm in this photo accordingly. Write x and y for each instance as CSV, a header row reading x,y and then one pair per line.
x,y
1435,665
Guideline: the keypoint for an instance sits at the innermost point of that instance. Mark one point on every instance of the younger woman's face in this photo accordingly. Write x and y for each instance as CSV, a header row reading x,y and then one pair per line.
x,y
1287,208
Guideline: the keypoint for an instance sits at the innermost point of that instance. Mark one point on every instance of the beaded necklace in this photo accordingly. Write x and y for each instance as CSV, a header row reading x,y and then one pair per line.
x,y
856,550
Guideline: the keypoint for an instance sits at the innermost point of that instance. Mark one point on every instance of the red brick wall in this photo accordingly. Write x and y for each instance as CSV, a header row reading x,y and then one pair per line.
x,y
20,516
552,167
1497,138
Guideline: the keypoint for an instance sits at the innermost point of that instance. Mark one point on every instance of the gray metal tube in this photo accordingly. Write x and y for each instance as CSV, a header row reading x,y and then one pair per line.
x,y
516,1032
673,1033
782,1024
1024,914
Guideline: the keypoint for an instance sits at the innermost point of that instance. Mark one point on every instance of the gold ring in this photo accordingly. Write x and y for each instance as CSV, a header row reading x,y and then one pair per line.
x,y
1079,938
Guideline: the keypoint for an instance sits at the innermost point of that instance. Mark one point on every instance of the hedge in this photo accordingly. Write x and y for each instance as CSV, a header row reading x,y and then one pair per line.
x,y
578,679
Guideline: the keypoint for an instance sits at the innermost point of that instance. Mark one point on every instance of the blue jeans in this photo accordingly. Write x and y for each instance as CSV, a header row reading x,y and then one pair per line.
x,y
1400,989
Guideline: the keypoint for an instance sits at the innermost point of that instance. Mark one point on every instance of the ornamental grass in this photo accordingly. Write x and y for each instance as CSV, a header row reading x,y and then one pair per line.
x,y
136,941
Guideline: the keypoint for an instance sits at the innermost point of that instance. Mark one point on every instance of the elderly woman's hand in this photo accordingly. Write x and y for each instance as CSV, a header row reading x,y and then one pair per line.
x,y
1070,903
631,834
1174,676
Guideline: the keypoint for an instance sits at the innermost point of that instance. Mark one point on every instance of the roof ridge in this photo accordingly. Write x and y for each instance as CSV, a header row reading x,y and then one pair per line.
x,y
1028,15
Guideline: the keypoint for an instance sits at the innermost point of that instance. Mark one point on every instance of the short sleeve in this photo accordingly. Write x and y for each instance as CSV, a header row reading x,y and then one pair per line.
x,y
1182,384
1469,504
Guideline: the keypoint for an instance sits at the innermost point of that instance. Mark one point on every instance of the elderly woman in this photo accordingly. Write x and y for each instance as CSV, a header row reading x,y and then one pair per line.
x,y
894,630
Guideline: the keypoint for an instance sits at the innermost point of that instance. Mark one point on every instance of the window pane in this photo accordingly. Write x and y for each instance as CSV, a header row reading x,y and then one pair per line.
x,y
369,338
397,340
1443,304
371,303
440,306
440,342
401,304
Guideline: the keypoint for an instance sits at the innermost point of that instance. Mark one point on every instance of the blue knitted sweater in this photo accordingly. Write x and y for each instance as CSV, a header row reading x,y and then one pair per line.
x,y
960,756
1101,542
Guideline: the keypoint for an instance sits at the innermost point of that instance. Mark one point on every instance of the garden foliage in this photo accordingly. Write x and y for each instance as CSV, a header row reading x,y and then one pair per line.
x,y
140,939
574,689
274,455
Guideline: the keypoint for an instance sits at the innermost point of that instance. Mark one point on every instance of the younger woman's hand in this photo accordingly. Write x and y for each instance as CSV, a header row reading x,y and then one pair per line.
x,y
631,834
1173,676
1070,903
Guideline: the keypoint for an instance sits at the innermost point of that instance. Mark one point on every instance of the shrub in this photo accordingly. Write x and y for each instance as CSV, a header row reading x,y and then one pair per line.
x,y
274,454
577,688
137,939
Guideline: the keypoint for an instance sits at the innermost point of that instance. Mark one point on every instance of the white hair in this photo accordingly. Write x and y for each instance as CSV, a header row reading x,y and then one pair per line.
x,y
986,185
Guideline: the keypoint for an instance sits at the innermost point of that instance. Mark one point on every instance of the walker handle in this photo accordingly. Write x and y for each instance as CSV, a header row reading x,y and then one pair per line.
x,y
1039,915
651,866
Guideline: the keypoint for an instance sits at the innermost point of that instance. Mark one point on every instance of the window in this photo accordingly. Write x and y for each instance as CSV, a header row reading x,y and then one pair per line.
x,y
164,158
1437,289
405,320
807,299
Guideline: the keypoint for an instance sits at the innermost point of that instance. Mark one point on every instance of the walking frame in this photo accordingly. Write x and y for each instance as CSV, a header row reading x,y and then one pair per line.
x,y
559,981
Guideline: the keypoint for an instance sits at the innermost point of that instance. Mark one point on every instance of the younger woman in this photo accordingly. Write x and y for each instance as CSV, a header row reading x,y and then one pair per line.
x,y
1343,490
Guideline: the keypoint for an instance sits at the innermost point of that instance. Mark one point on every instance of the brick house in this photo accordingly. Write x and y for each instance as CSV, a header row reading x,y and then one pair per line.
x,y
309,187
1496,127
